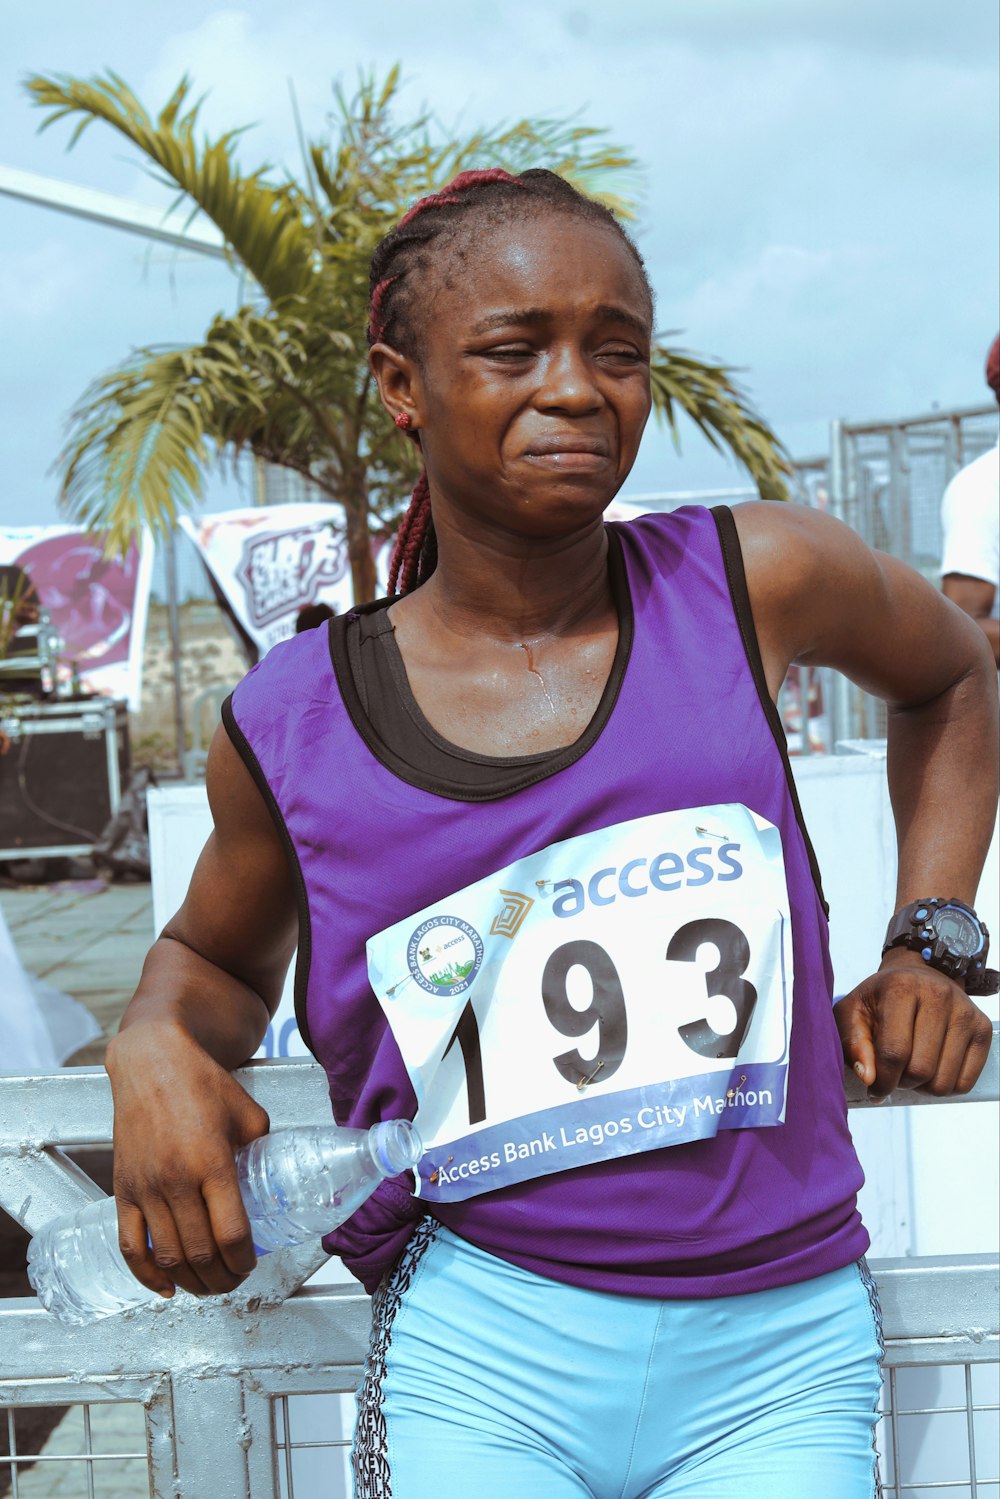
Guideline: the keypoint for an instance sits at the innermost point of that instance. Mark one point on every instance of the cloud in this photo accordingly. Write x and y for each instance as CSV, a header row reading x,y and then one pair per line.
x,y
896,30
241,64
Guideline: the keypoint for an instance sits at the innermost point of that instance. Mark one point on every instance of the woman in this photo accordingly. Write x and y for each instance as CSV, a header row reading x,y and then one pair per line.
x,y
533,830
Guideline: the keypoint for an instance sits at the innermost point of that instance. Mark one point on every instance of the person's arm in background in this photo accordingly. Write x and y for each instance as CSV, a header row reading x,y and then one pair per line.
x,y
970,551
975,596
820,597
208,988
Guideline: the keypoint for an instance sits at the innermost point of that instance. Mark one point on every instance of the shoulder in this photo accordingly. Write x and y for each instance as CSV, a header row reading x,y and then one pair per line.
x,y
822,597
815,588
774,536
784,550
284,684
789,549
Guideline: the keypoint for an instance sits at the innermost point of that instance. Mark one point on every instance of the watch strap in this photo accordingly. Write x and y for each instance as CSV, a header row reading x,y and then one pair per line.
x,y
987,983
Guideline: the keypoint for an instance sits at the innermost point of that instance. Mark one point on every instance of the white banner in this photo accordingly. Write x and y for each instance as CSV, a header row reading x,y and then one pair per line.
x,y
98,604
269,562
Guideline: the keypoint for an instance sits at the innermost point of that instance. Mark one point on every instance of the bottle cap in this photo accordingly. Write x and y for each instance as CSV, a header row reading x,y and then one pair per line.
x,y
396,1145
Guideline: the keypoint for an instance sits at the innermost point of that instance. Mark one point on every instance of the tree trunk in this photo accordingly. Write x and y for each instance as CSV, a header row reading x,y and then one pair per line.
x,y
359,543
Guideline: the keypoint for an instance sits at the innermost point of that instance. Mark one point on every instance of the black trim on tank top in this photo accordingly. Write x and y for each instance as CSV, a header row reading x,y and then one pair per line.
x,y
396,719
732,556
551,764
303,955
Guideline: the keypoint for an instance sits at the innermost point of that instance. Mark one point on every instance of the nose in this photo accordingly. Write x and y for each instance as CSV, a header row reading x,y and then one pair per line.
x,y
568,383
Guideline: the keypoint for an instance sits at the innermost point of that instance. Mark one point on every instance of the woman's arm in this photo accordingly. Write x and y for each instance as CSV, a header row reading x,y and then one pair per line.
x,y
208,987
821,597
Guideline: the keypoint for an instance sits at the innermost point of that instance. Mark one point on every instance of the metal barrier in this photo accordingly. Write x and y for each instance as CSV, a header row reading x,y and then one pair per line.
x,y
214,1378
887,480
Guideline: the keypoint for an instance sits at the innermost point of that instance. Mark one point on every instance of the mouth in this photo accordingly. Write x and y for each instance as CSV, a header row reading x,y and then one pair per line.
x,y
569,453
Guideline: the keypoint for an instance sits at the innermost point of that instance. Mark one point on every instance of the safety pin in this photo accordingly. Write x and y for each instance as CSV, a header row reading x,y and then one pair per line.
x,y
707,833
585,1080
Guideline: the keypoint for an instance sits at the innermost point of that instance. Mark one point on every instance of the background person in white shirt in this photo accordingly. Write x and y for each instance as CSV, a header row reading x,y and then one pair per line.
x,y
970,521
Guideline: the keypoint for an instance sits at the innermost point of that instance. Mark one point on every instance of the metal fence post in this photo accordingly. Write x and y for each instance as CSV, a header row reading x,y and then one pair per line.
x,y
205,1407
899,493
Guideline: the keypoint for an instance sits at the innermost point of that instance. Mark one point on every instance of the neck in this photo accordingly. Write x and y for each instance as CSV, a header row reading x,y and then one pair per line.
x,y
516,589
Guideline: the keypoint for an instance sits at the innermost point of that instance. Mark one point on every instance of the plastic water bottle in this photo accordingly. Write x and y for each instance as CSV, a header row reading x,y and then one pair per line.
x,y
296,1184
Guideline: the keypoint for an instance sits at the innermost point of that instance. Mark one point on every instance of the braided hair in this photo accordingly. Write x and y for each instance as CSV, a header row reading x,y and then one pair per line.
x,y
398,275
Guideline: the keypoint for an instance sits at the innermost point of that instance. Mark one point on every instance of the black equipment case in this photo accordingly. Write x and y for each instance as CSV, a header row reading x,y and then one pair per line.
x,y
62,776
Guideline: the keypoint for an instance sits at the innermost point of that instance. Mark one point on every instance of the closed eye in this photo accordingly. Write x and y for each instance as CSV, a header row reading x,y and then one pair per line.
x,y
508,351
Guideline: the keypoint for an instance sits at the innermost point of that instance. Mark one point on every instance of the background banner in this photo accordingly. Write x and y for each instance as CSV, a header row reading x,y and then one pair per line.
x,y
267,562
98,605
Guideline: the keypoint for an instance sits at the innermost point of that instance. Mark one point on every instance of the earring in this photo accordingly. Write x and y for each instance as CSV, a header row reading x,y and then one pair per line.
x,y
403,420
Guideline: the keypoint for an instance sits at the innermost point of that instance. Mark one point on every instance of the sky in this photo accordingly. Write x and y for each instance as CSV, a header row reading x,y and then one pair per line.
x,y
819,195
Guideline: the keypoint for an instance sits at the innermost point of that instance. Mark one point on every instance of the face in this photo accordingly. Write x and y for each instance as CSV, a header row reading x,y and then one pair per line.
x,y
532,386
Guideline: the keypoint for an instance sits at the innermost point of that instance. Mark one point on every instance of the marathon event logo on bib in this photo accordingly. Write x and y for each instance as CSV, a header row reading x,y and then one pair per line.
x,y
621,991
444,955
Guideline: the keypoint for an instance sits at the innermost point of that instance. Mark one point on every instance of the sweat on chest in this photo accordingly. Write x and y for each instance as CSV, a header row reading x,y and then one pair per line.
x,y
518,700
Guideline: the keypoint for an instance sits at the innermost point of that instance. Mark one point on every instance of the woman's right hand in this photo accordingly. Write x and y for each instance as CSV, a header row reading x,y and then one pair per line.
x,y
180,1119
208,987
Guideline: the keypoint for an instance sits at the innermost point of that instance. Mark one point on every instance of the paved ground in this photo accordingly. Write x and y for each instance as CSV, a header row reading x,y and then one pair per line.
x,y
90,945
62,1473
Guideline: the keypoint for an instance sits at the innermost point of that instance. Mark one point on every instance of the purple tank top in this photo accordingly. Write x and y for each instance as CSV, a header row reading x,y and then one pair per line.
x,y
690,726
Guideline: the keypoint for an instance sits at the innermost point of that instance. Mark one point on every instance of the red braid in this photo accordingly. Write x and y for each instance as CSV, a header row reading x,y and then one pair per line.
x,y
450,193
405,564
376,321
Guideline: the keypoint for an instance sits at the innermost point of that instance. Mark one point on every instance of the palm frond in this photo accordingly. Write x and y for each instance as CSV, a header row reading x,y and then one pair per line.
x,y
386,166
264,225
141,437
137,446
580,153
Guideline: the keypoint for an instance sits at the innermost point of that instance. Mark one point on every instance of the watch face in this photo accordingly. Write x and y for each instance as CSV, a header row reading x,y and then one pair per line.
x,y
957,930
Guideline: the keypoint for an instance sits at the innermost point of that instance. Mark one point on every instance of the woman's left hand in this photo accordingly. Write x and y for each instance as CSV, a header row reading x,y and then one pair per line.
x,y
911,1026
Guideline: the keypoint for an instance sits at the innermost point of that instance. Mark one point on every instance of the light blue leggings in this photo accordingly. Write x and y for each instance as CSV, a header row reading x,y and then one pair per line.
x,y
485,1381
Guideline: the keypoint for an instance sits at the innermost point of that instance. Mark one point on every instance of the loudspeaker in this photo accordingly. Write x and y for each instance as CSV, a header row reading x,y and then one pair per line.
x,y
62,774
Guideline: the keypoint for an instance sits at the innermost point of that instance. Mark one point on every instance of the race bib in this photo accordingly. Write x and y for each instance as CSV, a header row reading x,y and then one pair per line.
x,y
621,991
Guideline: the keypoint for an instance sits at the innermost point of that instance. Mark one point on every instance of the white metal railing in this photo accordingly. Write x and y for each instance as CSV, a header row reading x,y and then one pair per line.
x,y
214,1377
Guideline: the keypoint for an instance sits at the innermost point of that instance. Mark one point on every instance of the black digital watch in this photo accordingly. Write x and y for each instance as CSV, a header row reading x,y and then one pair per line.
x,y
949,936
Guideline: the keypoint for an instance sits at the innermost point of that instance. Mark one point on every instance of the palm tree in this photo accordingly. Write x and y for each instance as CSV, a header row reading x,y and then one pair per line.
x,y
286,377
